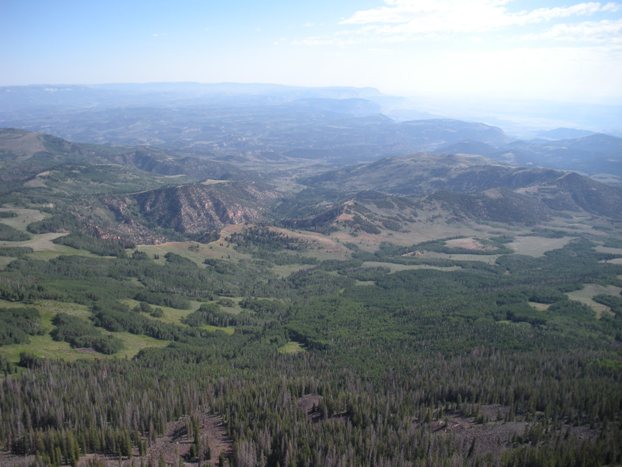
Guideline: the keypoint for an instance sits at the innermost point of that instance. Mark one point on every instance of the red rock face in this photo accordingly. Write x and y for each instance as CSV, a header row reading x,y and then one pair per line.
x,y
199,209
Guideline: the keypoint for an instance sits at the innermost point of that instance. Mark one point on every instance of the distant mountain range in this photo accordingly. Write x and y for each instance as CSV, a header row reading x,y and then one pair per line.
x,y
148,195
563,133
334,125
593,154
465,187
172,161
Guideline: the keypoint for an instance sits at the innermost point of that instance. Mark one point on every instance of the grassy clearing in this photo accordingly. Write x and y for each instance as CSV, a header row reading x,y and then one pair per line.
x,y
133,343
429,226
468,243
169,315
44,243
49,308
394,267
320,246
579,223
587,293
324,255
45,347
9,304
540,306
233,309
23,218
286,270
610,250
197,252
537,246
54,251
211,181
291,347
228,330
364,283
488,259
37,182
4,261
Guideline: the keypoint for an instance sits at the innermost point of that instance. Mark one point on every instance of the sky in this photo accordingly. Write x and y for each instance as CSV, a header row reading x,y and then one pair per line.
x,y
561,50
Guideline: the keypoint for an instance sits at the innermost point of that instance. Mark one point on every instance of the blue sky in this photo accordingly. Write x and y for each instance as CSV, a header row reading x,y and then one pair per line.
x,y
559,50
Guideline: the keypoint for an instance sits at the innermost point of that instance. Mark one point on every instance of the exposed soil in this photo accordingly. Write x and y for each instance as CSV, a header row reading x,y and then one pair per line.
x,y
532,245
494,435
171,448
323,241
482,438
465,243
177,442
309,404
10,460
345,217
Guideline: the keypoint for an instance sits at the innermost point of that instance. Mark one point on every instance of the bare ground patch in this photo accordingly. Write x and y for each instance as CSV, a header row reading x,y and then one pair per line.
x,y
177,442
316,240
494,435
427,226
320,246
212,181
540,306
285,270
11,460
609,250
395,267
468,243
310,405
173,447
537,246
488,259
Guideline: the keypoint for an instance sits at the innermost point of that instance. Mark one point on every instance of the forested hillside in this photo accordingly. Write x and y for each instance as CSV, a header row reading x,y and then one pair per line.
x,y
419,310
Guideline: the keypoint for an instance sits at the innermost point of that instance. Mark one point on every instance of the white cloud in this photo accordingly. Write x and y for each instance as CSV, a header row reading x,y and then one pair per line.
x,y
424,20
557,73
412,17
605,32
339,40
580,9
482,48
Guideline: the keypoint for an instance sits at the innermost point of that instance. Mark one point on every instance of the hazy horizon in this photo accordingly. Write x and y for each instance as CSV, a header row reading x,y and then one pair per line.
x,y
561,51
520,117
609,102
